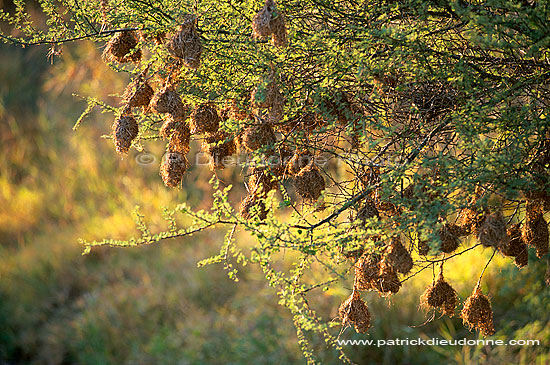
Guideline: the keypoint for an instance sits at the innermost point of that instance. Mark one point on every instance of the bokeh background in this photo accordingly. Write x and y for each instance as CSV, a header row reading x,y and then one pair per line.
x,y
152,305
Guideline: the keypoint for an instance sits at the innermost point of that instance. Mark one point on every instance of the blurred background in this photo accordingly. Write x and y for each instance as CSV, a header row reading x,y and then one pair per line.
x,y
152,304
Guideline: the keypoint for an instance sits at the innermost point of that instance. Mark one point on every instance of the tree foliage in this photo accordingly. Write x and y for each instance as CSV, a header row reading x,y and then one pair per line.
x,y
381,138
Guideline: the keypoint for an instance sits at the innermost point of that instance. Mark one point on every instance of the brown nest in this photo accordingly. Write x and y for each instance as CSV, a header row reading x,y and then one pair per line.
x,y
354,311
449,238
269,21
309,183
387,281
138,93
205,119
261,182
492,232
367,269
186,44
122,47
219,146
477,313
423,247
167,100
515,246
172,168
258,136
535,228
470,220
368,211
178,133
253,205
440,295
267,96
124,131
372,273
299,160
398,257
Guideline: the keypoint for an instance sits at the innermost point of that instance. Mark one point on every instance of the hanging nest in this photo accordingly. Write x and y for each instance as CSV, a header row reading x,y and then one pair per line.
x,y
368,211
124,131
535,228
398,257
299,160
178,133
261,182
440,295
387,281
492,232
258,136
205,119
252,203
167,100
367,270
449,238
122,47
309,183
514,243
186,43
138,93
354,311
172,168
477,313
470,220
219,146
269,21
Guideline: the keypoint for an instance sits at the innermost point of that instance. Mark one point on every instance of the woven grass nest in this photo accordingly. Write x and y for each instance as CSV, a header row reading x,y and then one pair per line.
x,y
492,232
138,93
449,237
398,257
309,183
477,313
186,43
260,182
177,131
515,246
305,122
205,119
354,312
299,160
470,220
258,136
172,168
219,146
122,47
373,273
167,100
124,130
269,21
535,228
440,295
253,203
368,211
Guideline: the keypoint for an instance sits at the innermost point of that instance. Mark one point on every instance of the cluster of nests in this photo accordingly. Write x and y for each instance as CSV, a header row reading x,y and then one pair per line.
x,y
184,45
